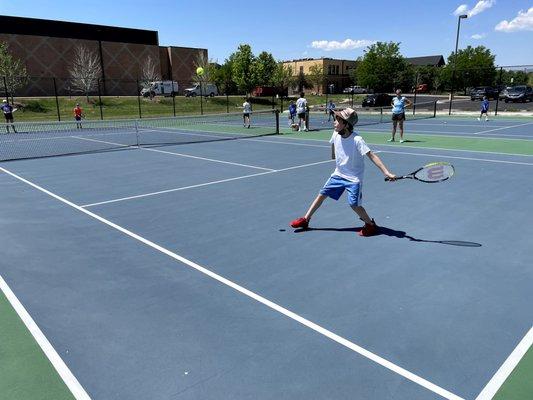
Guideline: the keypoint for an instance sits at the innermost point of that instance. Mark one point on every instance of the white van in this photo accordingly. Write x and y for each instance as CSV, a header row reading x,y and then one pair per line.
x,y
208,89
165,88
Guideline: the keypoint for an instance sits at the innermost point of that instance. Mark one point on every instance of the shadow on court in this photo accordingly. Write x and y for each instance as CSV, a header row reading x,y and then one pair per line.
x,y
383,231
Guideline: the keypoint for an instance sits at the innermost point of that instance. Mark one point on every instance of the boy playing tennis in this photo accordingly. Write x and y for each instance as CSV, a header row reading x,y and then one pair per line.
x,y
246,111
348,150
78,115
484,109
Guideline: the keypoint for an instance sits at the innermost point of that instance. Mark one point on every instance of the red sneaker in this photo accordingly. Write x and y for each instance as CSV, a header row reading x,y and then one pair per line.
x,y
369,229
300,223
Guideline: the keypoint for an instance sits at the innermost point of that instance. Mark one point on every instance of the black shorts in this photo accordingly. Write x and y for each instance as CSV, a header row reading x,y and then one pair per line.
x,y
301,115
9,116
484,112
77,118
244,115
398,117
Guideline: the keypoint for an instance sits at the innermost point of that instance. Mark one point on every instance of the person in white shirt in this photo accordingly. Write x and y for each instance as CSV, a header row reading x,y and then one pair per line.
x,y
398,113
301,110
246,111
348,149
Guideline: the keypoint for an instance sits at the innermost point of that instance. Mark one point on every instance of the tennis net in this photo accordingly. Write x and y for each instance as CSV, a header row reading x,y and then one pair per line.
x,y
378,115
47,139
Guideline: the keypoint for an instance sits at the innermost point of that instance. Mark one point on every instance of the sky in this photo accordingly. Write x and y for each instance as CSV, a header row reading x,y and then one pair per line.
x,y
310,30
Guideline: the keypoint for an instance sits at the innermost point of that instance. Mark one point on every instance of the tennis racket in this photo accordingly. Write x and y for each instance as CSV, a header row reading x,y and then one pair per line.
x,y
430,173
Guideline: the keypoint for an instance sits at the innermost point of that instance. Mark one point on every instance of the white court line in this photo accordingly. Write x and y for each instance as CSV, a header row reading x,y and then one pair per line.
x,y
57,362
180,154
276,307
175,189
456,157
207,159
456,134
507,367
507,127
200,185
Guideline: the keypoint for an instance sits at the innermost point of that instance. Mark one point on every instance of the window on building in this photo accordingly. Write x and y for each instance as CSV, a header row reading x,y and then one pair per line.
x,y
301,70
336,70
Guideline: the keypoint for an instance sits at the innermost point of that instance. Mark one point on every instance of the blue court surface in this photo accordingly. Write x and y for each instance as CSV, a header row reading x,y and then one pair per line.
x,y
172,273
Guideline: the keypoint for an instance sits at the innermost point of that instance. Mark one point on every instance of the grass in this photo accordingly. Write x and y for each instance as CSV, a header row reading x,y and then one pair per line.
x,y
115,107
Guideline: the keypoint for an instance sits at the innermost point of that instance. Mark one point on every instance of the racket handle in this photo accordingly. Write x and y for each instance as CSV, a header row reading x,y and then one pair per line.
x,y
387,179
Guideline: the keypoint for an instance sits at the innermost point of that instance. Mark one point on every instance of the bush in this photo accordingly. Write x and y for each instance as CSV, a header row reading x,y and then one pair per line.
x,y
34,106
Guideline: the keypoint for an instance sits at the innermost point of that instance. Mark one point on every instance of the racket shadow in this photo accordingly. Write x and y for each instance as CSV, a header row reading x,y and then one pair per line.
x,y
384,231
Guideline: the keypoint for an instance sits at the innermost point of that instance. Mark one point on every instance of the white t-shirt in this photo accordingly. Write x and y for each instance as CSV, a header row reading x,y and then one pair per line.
x,y
301,105
349,156
246,108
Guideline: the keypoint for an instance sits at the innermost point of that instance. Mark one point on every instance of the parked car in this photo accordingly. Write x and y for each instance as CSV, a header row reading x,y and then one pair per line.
x,y
481,91
377,100
166,88
207,89
519,93
355,90
422,88
503,90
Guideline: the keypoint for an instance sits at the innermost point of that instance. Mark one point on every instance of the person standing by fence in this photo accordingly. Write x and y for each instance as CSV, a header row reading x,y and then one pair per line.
x,y
78,115
8,115
398,113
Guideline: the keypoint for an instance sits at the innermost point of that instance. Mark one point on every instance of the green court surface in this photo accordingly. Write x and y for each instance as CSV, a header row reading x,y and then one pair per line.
x,y
493,145
25,371
519,385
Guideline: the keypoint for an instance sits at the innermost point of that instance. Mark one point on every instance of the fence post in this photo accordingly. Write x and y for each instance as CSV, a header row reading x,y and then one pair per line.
x,y
100,100
201,100
451,91
277,121
416,90
5,89
139,99
57,100
499,86
174,103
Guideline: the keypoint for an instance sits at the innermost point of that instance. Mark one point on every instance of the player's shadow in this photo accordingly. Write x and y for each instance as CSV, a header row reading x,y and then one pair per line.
x,y
413,141
383,231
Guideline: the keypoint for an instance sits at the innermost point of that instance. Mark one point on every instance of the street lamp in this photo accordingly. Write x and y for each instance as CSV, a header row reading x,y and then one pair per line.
x,y
463,16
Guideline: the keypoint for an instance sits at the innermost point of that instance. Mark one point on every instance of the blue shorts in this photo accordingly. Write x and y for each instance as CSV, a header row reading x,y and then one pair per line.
x,y
335,187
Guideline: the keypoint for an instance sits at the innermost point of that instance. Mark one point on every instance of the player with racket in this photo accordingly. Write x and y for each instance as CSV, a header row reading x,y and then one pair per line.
x,y
78,115
8,111
348,150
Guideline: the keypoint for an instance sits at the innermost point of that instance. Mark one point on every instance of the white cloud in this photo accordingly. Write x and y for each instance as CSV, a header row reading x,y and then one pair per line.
x,y
462,9
522,22
478,36
348,44
480,6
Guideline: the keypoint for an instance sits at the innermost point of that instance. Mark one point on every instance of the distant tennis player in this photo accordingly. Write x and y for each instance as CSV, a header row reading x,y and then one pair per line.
x,y
348,149
8,111
78,115
292,113
301,110
330,110
484,109
246,111
399,103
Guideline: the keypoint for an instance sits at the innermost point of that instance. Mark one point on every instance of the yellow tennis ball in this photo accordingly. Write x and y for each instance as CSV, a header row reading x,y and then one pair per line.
x,y
199,71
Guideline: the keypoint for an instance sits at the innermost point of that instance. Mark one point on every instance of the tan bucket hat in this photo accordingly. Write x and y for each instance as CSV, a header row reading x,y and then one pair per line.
x,y
349,115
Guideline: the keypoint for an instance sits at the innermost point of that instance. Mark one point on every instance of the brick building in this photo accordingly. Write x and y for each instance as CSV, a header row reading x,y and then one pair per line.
x,y
47,49
336,72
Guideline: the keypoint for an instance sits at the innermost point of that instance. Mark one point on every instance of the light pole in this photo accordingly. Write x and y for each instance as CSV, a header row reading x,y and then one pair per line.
x,y
463,16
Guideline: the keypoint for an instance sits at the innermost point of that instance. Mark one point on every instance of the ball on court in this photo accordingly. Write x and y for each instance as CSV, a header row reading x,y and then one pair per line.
x,y
199,71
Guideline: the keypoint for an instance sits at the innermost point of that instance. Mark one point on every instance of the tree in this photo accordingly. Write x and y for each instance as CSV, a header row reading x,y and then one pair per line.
x,y
282,79
474,66
223,78
149,72
85,70
382,67
316,76
12,70
242,68
263,69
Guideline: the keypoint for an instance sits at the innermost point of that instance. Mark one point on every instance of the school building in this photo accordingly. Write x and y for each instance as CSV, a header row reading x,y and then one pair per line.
x,y
47,49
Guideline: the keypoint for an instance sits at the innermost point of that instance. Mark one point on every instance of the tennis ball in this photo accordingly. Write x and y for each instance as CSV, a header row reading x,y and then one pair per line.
x,y
199,71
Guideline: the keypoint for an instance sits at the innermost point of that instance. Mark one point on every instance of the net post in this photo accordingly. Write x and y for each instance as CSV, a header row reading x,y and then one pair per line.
x,y
136,123
57,99
434,108
276,112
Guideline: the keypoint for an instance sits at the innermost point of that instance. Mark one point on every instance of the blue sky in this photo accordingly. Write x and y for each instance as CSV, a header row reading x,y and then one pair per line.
x,y
342,30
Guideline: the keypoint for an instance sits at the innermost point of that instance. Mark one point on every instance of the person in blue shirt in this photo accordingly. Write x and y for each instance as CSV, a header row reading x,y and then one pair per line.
x,y
484,109
330,110
8,114
292,113
398,113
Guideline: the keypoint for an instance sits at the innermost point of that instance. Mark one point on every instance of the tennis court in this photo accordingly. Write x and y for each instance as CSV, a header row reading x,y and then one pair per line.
x,y
162,266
